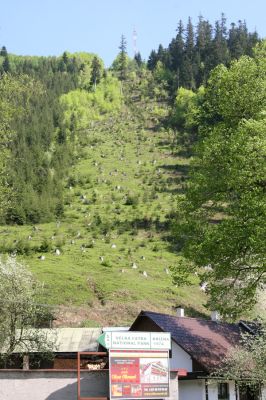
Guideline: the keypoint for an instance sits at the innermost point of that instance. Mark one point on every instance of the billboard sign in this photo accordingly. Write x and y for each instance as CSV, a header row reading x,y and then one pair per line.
x,y
136,374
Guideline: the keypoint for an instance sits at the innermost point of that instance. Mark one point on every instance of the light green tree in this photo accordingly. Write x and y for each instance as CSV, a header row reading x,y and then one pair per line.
x,y
82,107
246,364
21,314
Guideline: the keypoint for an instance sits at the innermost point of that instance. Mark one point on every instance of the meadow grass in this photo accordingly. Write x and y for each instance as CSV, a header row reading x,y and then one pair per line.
x,y
118,198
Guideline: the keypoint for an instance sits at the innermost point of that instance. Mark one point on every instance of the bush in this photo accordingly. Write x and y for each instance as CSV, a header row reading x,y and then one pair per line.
x,y
132,200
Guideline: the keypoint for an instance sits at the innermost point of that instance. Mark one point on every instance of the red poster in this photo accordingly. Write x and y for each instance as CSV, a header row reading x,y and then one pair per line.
x,y
139,374
125,370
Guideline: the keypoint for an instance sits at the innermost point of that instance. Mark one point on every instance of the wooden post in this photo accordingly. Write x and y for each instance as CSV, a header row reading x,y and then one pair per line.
x,y
26,362
78,375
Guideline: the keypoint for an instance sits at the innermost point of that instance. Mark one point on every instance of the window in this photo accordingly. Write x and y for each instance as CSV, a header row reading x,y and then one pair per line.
x,y
223,391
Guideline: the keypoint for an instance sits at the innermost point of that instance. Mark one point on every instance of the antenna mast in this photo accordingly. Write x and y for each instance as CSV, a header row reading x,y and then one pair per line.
x,y
135,42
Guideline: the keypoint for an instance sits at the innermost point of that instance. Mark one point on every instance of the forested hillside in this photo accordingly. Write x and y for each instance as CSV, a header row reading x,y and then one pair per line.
x,y
141,185
38,152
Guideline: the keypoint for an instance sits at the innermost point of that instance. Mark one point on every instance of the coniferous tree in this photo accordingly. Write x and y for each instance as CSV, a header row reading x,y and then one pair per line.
x,y
176,50
3,51
138,59
123,58
203,49
189,52
191,56
95,72
65,58
152,60
6,64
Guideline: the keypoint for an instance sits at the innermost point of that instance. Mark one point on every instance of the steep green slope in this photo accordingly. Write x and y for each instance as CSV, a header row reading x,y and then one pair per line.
x,y
109,257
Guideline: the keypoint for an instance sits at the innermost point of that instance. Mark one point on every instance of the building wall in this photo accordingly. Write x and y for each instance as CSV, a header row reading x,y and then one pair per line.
x,y
195,390
192,390
180,359
51,385
213,390
59,385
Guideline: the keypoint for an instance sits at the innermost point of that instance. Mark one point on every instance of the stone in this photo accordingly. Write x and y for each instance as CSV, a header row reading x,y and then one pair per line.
x,y
203,286
57,252
42,258
134,266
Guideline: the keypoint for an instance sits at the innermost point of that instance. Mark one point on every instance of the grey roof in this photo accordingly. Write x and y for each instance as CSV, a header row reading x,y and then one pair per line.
x,y
77,339
64,340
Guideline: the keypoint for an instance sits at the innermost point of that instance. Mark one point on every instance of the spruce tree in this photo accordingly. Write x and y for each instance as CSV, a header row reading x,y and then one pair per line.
x,y
123,58
176,51
152,60
95,71
6,64
3,51
189,61
138,59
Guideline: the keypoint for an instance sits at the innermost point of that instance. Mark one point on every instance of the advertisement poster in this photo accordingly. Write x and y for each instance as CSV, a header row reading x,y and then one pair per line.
x,y
139,374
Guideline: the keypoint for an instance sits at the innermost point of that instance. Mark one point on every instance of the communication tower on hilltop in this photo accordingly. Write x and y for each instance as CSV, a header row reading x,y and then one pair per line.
x,y
135,42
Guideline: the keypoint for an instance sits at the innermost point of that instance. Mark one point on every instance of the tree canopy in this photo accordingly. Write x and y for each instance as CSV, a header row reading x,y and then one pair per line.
x,y
21,314
246,364
195,51
221,218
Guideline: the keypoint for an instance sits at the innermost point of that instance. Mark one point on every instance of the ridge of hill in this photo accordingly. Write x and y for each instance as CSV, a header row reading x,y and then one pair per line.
x,y
108,257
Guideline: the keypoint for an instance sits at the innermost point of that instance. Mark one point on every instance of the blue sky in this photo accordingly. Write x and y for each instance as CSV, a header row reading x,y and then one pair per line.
x,y
48,27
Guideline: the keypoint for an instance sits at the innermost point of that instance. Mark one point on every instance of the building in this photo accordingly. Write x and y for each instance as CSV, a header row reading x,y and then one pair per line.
x,y
199,346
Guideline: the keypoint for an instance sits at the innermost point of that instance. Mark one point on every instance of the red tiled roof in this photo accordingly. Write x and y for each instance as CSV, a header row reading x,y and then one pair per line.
x,y
206,341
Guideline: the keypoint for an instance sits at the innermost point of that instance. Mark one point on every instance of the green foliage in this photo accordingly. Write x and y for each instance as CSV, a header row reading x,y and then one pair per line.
x,y
31,166
123,153
90,69
96,72
122,58
36,148
21,315
221,221
193,53
185,116
81,108
246,364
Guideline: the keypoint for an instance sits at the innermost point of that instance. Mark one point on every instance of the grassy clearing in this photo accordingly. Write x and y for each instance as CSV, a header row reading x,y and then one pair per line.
x,y
108,257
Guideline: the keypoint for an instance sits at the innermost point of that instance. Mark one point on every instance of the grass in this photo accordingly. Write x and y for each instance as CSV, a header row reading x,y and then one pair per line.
x,y
117,200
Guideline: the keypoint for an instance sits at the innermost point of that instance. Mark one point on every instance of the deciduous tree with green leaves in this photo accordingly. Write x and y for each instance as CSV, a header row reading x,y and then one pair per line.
x,y
246,364
222,217
21,315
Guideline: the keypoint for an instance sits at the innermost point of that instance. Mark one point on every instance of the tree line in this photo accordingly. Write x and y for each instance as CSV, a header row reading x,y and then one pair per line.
x,y
196,50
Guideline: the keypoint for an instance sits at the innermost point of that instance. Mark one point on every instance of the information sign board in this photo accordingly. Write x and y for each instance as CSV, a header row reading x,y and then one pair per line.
x,y
139,374
136,340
